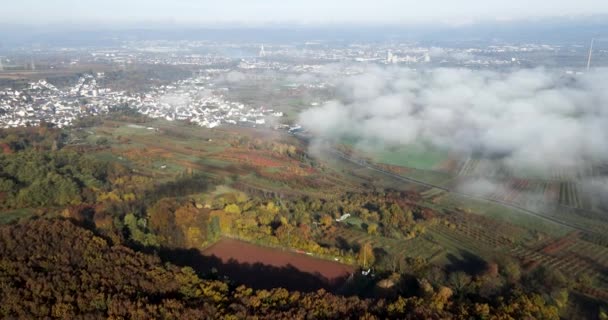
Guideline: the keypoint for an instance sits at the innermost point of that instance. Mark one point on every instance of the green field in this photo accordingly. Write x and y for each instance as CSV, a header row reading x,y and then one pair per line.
x,y
418,156
412,156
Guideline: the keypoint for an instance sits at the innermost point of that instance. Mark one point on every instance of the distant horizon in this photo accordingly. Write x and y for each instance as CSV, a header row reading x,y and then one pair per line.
x,y
551,30
310,12
169,23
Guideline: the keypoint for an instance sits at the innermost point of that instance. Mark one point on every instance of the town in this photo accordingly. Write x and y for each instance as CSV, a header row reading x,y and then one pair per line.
x,y
187,100
201,94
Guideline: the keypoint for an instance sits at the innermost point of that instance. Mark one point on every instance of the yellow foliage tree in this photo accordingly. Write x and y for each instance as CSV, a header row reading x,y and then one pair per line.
x,y
326,220
233,208
366,257
372,228
272,207
224,219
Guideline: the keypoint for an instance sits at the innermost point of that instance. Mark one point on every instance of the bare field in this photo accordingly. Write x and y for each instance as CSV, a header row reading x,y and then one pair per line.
x,y
264,267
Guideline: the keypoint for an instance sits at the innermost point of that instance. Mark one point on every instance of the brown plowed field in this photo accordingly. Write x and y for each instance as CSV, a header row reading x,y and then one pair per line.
x,y
251,263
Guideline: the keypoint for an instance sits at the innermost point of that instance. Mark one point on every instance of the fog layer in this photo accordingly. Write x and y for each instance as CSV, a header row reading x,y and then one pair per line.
x,y
533,118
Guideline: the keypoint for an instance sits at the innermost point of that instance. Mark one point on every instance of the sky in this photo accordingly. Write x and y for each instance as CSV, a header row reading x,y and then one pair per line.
x,y
209,12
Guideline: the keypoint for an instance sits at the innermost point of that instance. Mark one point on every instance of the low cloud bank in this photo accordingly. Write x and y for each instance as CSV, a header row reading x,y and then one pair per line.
x,y
534,118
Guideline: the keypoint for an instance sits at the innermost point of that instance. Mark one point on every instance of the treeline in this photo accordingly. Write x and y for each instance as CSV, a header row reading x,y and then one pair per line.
x,y
172,221
274,147
55,269
41,138
33,179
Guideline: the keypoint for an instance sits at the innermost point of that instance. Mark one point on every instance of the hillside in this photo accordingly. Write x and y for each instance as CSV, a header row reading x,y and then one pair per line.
x,y
237,222
53,268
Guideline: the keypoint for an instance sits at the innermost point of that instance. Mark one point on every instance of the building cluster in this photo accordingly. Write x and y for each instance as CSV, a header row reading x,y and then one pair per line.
x,y
193,100
409,54
196,101
282,57
407,58
42,101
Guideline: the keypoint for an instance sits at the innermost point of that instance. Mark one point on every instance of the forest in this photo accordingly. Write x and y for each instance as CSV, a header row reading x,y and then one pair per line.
x,y
55,268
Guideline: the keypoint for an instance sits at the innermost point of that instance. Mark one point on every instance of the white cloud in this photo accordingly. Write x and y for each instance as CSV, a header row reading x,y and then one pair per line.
x,y
534,118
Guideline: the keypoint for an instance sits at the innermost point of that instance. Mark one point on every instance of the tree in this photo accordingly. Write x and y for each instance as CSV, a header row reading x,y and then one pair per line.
x,y
103,141
417,265
285,234
65,190
162,222
6,186
460,281
214,228
265,217
372,229
511,271
232,208
326,221
135,227
560,298
366,256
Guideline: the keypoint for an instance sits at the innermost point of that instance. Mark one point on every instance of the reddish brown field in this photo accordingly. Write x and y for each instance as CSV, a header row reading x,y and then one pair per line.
x,y
255,158
246,253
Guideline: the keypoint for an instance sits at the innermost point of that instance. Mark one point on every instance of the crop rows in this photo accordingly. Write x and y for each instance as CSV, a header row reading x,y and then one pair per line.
x,y
572,261
597,239
493,168
471,239
468,167
455,243
432,193
594,292
483,167
493,227
482,235
568,195
560,244
526,192
551,191
416,247
592,251
570,174
568,264
479,232
514,191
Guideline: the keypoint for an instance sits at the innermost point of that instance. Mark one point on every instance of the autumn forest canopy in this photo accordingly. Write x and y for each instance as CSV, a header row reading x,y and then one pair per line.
x,y
106,219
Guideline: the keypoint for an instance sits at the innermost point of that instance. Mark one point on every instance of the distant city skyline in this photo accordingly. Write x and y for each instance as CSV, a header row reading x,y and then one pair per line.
x,y
37,12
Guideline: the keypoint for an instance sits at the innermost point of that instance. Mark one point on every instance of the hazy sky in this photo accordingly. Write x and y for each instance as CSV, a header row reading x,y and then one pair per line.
x,y
288,11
